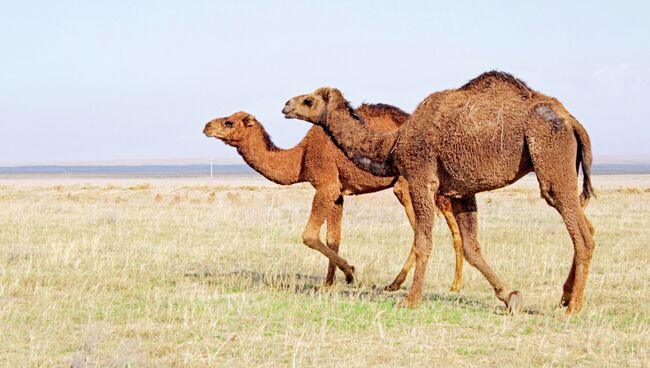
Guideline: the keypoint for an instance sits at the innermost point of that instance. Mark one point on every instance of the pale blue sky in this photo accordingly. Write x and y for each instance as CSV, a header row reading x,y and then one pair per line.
x,y
104,80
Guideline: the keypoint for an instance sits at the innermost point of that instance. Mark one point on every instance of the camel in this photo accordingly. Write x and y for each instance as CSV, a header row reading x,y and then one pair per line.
x,y
318,161
482,136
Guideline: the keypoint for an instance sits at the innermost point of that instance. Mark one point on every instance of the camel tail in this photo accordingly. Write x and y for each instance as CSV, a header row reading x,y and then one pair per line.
x,y
584,161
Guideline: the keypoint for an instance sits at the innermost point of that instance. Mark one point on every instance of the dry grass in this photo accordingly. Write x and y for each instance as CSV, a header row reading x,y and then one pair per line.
x,y
160,274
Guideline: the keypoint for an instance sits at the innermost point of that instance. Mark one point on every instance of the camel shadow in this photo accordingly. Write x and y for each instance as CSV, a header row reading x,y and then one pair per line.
x,y
308,284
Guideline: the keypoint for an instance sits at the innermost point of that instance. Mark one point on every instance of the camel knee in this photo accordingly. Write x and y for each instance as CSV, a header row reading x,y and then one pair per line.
x,y
309,238
422,250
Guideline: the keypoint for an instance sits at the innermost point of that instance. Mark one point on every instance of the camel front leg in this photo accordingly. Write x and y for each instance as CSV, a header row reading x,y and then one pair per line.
x,y
422,196
444,205
334,236
322,205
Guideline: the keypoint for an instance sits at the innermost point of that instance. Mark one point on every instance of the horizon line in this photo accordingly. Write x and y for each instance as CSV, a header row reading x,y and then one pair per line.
x,y
605,158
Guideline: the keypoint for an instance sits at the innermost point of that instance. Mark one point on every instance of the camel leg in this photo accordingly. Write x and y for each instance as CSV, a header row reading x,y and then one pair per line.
x,y
465,212
401,277
334,236
401,192
444,205
553,155
567,288
321,207
567,203
422,197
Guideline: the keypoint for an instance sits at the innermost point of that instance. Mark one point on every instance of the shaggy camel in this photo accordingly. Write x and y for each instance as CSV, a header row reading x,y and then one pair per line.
x,y
483,136
318,161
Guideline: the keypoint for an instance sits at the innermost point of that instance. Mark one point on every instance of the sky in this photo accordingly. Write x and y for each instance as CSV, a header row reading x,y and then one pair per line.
x,y
137,80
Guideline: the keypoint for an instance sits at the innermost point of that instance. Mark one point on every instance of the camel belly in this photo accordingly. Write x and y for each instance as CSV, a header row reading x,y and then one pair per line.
x,y
451,186
481,163
360,182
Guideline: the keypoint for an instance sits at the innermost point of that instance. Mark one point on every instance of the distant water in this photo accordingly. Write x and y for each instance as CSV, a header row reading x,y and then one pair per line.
x,y
226,170
130,170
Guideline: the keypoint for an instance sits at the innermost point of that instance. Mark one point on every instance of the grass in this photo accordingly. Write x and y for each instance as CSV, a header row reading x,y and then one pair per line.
x,y
155,274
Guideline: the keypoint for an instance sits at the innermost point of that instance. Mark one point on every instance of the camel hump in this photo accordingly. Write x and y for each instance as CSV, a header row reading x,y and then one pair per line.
x,y
494,79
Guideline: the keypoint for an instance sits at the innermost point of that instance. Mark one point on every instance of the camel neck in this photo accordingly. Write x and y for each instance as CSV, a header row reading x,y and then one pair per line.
x,y
278,165
368,149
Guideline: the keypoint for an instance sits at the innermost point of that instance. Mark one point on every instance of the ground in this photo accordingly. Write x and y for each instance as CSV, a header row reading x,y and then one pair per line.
x,y
153,272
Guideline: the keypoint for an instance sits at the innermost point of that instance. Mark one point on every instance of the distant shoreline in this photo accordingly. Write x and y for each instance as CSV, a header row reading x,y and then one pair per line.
x,y
204,170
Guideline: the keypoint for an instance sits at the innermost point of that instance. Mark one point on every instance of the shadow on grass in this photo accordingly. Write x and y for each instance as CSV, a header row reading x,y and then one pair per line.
x,y
309,284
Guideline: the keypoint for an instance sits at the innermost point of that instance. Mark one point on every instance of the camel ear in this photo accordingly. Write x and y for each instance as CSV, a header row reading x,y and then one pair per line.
x,y
324,94
249,120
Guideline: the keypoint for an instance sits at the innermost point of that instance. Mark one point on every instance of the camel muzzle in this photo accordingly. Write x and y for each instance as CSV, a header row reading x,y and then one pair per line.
x,y
208,131
288,108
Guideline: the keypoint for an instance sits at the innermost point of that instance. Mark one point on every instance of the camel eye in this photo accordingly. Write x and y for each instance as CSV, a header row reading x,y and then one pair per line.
x,y
308,102
229,124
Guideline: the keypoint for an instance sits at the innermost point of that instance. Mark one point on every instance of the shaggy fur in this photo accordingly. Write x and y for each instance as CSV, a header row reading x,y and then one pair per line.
x,y
316,160
482,136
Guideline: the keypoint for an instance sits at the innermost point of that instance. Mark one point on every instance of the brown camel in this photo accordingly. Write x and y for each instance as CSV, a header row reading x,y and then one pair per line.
x,y
318,161
482,136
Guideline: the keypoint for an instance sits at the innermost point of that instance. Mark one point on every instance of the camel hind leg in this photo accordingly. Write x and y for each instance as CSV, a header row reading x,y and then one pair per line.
x,y
570,280
322,205
568,205
553,150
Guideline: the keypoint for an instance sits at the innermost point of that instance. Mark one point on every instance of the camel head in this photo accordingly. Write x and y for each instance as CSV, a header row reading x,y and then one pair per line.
x,y
312,107
232,129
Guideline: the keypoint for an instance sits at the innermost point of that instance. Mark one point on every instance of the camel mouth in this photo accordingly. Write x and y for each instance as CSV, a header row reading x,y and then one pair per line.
x,y
290,115
212,134
288,112
215,135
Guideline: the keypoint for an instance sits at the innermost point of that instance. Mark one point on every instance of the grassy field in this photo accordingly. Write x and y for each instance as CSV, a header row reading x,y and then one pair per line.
x,y
173,273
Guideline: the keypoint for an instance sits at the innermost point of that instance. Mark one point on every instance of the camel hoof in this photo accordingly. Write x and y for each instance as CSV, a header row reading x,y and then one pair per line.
x,y
566,299
515,302
455,289
349,277
392,287
573,308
